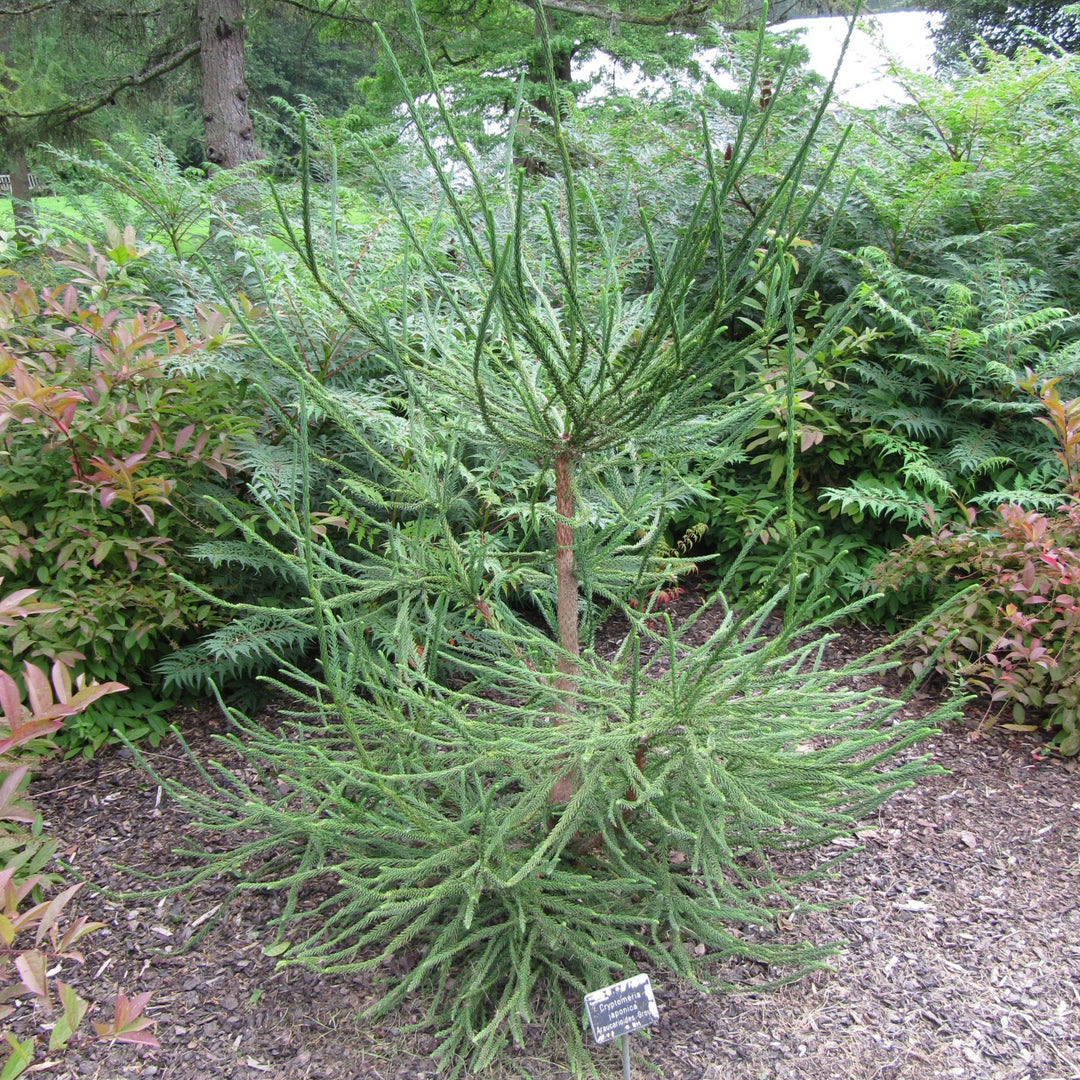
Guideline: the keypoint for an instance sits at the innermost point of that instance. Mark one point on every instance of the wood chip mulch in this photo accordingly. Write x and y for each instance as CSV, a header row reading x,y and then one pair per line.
x,y
959,905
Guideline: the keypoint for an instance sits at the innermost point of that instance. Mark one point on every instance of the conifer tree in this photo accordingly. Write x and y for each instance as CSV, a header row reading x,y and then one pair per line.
x,y
509,812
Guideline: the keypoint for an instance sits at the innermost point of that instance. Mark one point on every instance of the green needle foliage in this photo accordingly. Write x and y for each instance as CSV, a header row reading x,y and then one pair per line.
x,y
409,821
480,794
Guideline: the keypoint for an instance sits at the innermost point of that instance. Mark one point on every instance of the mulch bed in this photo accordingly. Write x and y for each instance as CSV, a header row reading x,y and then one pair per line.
x,y
959,906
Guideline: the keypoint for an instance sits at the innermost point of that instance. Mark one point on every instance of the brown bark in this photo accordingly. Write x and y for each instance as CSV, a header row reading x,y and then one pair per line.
x,y
21,207
227,130
567,607
561,65
565,574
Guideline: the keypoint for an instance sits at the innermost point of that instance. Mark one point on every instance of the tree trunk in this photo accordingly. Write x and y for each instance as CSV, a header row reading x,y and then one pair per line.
x,y
538,92
566,584
21,207
227,130
561,65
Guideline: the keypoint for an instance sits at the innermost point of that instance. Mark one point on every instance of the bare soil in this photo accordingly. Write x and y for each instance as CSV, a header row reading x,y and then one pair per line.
x,y
959,906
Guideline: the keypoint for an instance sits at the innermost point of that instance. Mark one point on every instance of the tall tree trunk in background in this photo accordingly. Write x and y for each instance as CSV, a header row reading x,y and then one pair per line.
x,y
538,91
227,130
21,207
560,62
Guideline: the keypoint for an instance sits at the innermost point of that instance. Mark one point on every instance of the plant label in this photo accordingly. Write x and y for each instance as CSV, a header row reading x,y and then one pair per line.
x,y
621,1008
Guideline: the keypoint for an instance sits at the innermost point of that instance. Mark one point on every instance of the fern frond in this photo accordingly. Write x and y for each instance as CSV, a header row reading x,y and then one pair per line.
x,y
239,650
876,498
235,554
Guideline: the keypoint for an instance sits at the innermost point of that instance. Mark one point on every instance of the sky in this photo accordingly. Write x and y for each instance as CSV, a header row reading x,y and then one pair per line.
x,y
862,80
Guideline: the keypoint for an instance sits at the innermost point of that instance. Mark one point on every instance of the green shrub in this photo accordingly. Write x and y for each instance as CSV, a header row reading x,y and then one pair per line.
x,y
1014,632
1018,637
934,412
103,443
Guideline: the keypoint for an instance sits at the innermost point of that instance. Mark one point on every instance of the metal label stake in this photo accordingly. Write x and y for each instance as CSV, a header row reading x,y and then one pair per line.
x,y
618,1009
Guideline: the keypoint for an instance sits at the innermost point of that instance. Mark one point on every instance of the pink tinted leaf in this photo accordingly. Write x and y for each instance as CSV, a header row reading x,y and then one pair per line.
x,y
8,899
10,701
10,808
12,600
215,463
78,929
127,1023
121,1010
91,693
53,909
1028,574
146,512
33,729
138,1037
24,889
11,783
182,436
61,680
38,689
31,968
138,1003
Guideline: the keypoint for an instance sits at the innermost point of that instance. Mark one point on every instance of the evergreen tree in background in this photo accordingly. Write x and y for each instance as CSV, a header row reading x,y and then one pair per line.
x,y
480,50
70,65
66,61
1004,27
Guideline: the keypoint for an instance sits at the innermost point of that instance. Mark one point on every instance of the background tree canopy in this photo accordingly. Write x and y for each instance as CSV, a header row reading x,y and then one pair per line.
x,y
1003,26
64,62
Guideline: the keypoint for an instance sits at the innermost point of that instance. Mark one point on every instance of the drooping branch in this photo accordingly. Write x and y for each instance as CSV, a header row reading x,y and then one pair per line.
x,y
344,11
691,15
751,17
32,7
75,110
338,10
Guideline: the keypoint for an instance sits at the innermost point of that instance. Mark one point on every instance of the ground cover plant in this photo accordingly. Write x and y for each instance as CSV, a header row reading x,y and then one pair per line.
x,y
38,933
461,779
1018,625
